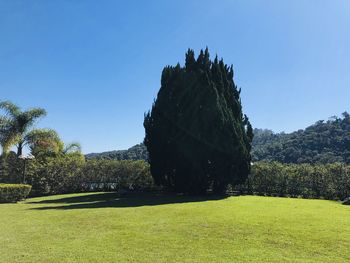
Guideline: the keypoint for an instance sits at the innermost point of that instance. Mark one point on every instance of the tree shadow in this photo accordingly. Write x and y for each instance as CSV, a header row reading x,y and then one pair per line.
x,y
105,200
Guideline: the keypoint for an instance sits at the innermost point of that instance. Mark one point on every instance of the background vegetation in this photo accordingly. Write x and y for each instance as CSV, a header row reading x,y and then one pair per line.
x,y
323,142
71,173
137,152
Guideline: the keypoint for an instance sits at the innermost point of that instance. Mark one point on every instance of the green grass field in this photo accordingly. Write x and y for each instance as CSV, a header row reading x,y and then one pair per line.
x,y
102,227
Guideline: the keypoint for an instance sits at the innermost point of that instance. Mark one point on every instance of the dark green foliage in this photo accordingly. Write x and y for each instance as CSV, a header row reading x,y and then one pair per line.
x,y
323,142
346,201
330,181
10,193
71,173
126,174
55,175
11,170
196,134
137,152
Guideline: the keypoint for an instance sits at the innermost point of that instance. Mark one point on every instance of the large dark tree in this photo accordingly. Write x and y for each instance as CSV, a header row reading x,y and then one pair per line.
x,y
196,134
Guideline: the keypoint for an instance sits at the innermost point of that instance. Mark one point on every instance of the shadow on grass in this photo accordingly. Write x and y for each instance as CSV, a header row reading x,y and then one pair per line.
x,y
104,200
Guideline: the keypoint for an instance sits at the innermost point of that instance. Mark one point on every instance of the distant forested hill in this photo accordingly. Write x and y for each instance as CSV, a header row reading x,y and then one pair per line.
x,y
137,152
323,142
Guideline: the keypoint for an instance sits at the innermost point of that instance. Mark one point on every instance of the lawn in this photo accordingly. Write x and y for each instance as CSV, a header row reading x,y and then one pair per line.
x,y
103,227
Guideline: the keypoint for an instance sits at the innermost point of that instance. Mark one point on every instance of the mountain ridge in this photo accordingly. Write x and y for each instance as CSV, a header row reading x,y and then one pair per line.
x,y
322,142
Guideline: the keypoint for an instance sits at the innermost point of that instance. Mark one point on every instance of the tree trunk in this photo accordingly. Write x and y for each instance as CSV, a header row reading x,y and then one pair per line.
x,y
19,149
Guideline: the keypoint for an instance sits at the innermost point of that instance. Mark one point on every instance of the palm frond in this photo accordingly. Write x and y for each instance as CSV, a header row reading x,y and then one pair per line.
x,y
10,108
15,125
35,113
7,139
28,118
42,134
8,134
72,148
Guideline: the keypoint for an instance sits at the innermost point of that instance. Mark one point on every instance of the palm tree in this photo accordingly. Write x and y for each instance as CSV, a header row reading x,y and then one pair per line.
x,y
47,141
44,141
16,125
5,138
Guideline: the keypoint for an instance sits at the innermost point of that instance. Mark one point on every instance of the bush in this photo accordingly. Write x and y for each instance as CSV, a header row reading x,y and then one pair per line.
x,y
330,181
13,192
71,174
11,169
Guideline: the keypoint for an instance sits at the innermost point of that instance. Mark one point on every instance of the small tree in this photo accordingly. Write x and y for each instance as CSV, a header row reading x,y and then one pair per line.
x,y
46,142
196,134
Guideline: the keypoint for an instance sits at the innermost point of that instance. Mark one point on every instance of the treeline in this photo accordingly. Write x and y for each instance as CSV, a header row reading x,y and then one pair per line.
x,y
70,174
137,152
324,142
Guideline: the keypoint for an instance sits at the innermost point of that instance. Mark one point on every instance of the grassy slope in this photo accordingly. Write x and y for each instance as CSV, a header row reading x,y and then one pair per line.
x,y
104,228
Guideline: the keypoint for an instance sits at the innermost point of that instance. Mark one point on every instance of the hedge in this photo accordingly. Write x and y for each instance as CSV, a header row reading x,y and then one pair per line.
x,y
10,193
329,181
70,174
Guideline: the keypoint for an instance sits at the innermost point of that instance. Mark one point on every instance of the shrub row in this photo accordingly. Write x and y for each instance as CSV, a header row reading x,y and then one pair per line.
x,y
330,181
68,174
13,192
71,173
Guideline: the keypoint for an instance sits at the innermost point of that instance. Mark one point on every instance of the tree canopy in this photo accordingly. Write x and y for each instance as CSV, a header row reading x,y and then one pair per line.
x,y
17,129
323,142
196,134
15,125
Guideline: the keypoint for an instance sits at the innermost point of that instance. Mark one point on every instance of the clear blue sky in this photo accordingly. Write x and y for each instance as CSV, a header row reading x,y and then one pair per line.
x,y
95,65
